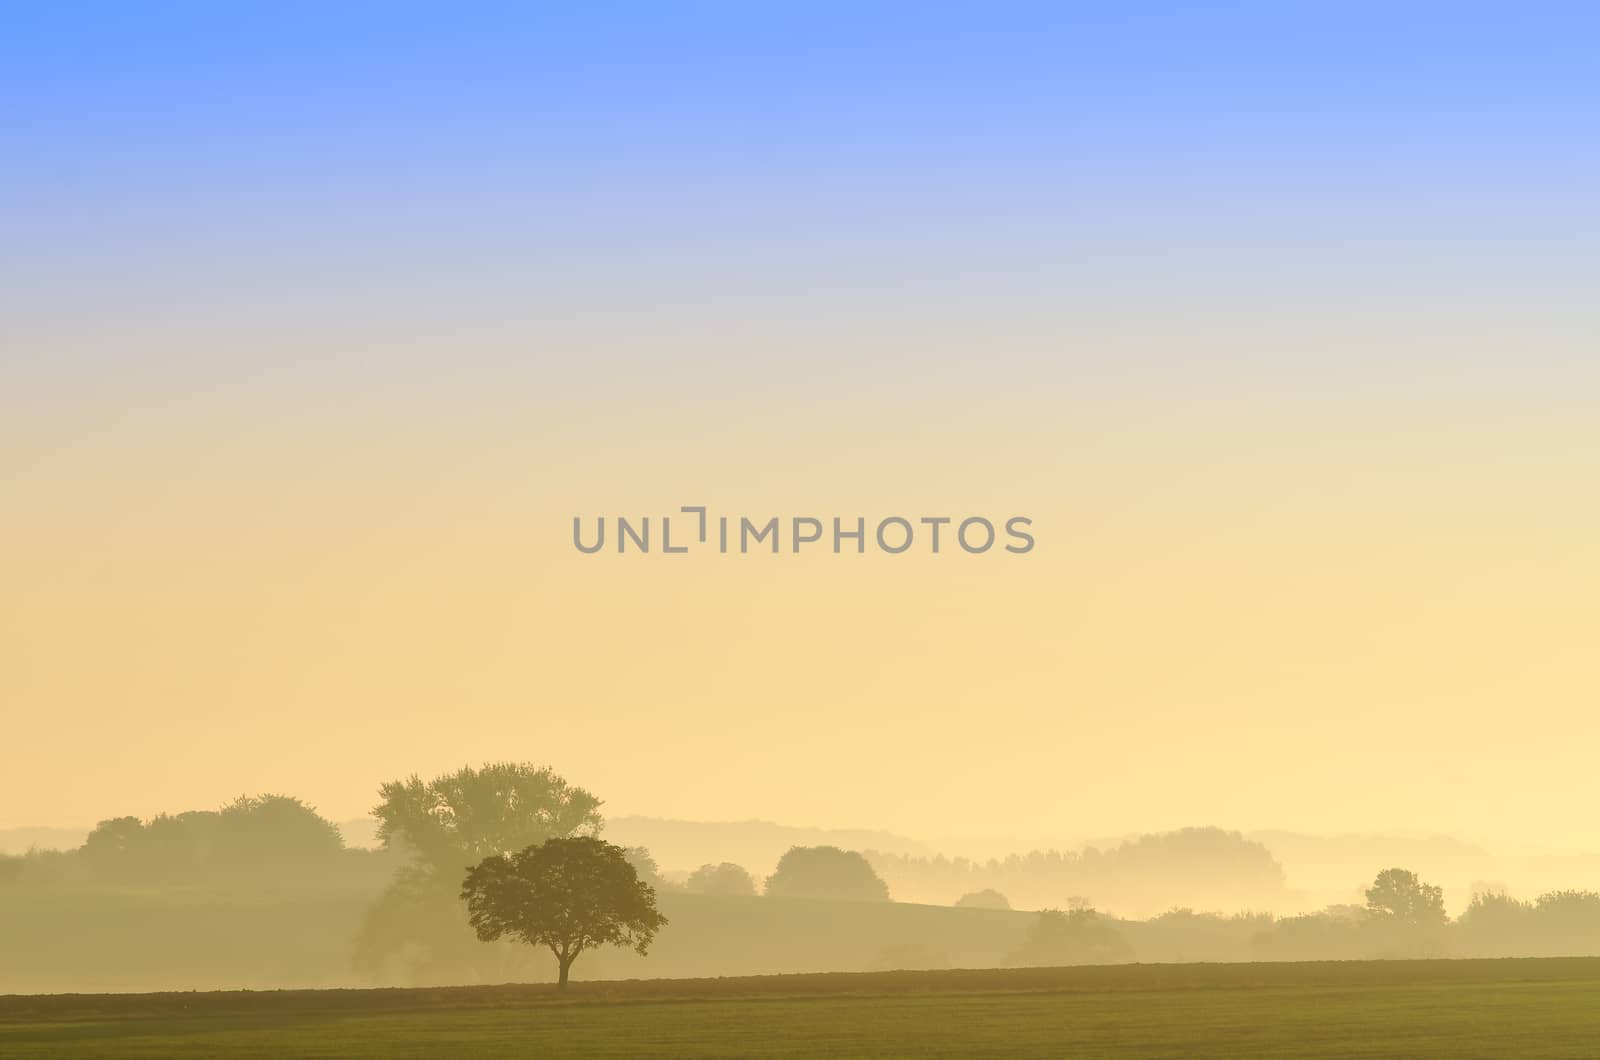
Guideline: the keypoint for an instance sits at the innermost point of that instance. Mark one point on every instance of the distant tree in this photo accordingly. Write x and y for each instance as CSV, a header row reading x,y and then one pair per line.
x,y
1496,924
826,872
1585,902
726,879
11,868
113,842
1076,936
566,894
988,898
1399,896
1182,935
274,829
1338,932
1404,917
460,818
1151,873
254,835
644,863
1566,923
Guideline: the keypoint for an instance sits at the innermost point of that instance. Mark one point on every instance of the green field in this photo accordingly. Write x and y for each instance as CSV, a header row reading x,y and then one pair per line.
x,y
1522,1008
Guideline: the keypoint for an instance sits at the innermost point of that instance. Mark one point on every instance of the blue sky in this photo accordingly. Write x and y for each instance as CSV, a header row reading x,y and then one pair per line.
x,y
824,108
991,172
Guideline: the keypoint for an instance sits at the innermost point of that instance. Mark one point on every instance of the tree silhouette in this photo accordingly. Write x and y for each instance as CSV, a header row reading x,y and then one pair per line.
x,y
568,895
725,879
273,835
447,825
1404,917
1399,896
644,863
1077,936
113,844
459,819
988,898
271,830
826,872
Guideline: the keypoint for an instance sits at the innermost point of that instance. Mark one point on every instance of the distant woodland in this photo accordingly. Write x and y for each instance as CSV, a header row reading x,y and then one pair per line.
x,y
265,892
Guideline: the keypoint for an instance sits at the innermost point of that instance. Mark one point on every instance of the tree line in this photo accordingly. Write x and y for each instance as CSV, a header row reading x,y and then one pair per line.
x,y
1207,866
481,870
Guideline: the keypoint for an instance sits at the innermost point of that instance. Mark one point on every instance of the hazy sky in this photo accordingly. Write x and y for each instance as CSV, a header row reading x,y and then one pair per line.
x,y
318,327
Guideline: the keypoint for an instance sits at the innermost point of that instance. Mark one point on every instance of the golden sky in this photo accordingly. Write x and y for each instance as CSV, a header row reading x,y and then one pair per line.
x,y
1322,611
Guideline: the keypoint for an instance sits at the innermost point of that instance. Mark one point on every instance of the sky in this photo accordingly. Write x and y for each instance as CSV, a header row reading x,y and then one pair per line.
x,y
318,327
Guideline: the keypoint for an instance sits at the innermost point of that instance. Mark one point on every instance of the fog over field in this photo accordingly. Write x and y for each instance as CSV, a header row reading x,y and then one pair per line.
x,y
264,892
1318,870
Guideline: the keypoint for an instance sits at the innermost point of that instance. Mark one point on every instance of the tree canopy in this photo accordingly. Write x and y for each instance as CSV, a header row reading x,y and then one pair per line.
x,y
726,879
566,894
1404,916
988,898
255,835
460,818
447,825
1400,896
1076,936
828,873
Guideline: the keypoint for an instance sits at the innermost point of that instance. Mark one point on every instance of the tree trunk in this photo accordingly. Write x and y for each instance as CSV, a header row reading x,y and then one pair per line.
x,y
566,965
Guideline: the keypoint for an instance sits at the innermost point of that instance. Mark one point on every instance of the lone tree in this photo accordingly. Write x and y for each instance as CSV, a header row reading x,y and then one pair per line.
x,y
568,894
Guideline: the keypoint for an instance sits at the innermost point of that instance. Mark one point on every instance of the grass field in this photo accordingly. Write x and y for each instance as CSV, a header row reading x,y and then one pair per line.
x,y
1498,1008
